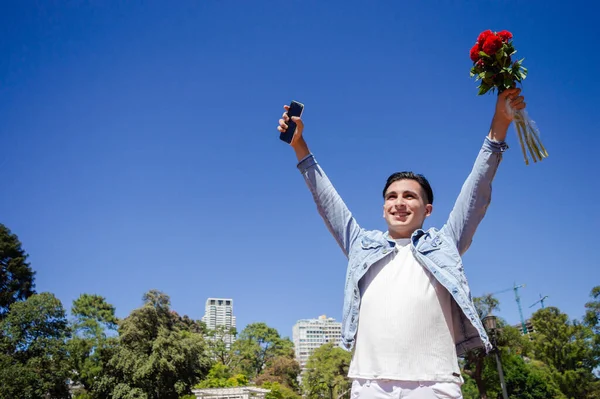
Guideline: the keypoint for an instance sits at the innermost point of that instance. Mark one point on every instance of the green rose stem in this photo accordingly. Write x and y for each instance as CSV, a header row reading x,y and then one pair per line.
x,y
528,136
538,153
518,127
532,147
543,152
536,148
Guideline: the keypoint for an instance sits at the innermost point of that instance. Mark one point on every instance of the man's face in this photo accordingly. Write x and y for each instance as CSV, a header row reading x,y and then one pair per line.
x,y
404,208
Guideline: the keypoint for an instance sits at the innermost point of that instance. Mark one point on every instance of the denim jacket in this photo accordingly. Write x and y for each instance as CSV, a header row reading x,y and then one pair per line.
x,y
439,251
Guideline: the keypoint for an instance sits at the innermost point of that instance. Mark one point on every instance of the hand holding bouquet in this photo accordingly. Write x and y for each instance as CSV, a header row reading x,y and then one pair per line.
x,y
493,65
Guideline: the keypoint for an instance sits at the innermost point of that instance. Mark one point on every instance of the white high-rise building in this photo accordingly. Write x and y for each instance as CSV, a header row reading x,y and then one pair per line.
x,y
219,312
309,334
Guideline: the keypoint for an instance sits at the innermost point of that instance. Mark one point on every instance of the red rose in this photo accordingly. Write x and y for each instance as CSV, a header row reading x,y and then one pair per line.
x,y
474,52
492,44
483,36
480,63
505,35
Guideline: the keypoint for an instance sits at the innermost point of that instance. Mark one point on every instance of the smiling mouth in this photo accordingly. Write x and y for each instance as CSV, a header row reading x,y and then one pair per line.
x,y
400,214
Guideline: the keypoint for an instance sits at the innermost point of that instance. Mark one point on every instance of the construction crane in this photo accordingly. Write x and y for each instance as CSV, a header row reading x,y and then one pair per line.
x,y
541,301
515,288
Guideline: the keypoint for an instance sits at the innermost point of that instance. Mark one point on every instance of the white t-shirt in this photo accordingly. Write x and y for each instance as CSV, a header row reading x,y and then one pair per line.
x,y
405,329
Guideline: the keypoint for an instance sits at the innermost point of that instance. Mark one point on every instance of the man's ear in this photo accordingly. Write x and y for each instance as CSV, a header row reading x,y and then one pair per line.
x,y
428,210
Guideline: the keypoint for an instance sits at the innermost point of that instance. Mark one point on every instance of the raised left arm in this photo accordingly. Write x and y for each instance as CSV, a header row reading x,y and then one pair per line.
x,y
476,193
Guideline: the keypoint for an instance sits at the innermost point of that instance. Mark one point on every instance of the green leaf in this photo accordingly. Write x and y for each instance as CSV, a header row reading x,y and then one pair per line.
x,y
474,72
483,88
483,54
523,75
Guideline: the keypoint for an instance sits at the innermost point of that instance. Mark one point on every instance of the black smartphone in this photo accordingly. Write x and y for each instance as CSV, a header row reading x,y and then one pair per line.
x,y
296,109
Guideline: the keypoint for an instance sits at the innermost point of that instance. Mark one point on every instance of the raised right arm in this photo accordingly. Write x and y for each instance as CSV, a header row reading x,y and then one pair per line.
x,y
331,207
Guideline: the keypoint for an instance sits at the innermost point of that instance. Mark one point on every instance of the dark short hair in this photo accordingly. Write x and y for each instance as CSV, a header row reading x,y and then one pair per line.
x,y
411,176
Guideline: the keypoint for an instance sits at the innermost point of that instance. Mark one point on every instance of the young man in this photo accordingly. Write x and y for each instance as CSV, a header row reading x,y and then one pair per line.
x,y
408,312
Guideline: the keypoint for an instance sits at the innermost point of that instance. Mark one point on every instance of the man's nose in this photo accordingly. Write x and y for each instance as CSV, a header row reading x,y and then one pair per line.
x,y
399,202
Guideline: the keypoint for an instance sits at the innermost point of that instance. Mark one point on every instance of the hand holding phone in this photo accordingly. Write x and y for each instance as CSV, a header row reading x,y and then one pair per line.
x,y
296,108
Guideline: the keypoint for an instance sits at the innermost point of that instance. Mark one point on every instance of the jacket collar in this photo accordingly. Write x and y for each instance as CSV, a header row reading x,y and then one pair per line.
x,y
414,237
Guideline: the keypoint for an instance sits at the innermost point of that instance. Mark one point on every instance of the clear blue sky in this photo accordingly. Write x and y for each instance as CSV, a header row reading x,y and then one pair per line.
x,y
140,150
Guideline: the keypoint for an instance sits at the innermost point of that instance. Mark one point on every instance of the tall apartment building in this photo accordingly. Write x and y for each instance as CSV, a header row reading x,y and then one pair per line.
x,y
309,334
528,326
219,312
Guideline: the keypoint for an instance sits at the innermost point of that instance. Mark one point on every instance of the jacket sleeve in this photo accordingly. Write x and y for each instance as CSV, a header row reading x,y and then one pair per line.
x,y
475,196
331,207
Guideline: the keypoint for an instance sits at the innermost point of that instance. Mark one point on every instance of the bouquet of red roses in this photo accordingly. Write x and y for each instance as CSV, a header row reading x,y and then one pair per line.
x,y
493,65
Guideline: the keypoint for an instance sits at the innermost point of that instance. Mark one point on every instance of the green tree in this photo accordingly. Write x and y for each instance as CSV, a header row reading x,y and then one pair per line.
x,y
481,370
569,349
486,305
93,316
326,373
184,323
592,314
279,391
154,358
220,376
469,388
257,346
218,344
282,370
474,360
33,355
524,380
16,275
91,348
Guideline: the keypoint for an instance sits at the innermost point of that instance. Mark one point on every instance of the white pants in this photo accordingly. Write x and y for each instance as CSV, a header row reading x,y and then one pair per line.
x,y
389,389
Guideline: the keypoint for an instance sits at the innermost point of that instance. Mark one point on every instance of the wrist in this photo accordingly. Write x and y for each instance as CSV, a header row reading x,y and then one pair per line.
x,y
499,129
301,148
